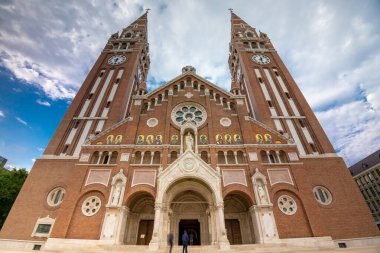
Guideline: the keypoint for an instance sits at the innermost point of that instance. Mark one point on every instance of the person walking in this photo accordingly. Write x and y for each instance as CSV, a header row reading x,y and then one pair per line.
x,y
185,241
170,242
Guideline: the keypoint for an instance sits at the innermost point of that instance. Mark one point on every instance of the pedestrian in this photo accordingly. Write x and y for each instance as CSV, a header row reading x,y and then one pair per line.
x,y
185,241
170,241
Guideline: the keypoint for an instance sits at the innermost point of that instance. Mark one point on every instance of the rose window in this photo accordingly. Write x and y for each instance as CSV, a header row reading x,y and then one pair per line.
x,y
91,206
287,205
189,112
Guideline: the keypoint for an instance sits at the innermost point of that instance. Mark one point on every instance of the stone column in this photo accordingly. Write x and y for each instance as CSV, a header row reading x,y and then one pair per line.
x,y
155,242
224,244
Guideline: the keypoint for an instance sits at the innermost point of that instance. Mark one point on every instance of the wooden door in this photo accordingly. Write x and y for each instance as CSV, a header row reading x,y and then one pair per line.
x,y
233,231
145,232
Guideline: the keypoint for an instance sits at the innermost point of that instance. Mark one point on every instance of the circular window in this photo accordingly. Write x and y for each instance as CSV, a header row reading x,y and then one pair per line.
x,y
152,122
91,206
322,195
189,112
55,197
287,205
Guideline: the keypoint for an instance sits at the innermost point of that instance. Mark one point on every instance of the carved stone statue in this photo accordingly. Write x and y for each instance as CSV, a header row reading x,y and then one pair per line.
x,y
116,194
262,194
189,142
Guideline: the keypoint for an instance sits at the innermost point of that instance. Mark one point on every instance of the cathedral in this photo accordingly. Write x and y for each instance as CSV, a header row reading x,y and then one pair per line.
x,y
251,165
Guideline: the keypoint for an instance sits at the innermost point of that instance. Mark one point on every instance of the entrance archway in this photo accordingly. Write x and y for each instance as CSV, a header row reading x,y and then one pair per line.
x,y
140,220
189,202
238,220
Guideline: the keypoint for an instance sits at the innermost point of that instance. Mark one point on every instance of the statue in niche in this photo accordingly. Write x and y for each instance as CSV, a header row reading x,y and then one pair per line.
x,y
117,193
189,142
261,193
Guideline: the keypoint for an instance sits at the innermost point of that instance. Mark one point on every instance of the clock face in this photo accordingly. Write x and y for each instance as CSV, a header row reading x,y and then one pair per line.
x,y
261,59
117,59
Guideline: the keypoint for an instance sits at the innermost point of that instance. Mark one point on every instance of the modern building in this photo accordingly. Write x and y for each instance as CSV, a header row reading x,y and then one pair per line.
x,y
367,175
247,166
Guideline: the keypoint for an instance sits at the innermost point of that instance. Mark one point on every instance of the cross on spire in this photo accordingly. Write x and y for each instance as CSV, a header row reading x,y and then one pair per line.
x,y
231,10
147,10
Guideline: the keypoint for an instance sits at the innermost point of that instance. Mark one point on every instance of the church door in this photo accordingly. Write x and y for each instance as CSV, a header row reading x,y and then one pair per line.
x,y
233,231
145,232
192,228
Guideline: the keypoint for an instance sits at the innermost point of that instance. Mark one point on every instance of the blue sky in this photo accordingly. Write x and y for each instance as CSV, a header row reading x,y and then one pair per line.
x,y
48,47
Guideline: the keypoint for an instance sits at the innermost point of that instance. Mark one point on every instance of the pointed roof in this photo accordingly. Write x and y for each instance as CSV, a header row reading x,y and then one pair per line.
x,y
236,22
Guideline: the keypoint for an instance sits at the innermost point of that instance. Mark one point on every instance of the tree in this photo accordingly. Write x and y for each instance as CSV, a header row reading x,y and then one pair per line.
x,y
10,185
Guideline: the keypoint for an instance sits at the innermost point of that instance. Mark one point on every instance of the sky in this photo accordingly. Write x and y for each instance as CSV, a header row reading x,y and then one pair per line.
x,y
47,48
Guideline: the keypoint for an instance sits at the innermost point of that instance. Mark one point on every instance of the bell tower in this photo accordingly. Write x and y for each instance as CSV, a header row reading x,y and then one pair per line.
x,y
105,96
272,95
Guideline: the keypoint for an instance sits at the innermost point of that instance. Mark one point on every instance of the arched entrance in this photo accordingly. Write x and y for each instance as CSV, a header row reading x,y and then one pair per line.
x,y
238,219
139,229
188,203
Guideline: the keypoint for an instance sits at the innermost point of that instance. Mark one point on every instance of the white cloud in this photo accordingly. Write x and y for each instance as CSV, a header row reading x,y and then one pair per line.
x,y
40,149
21,121
33,160
44,103
2,114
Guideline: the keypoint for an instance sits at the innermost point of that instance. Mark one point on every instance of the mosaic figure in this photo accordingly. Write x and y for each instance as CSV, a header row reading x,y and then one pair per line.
x,y
118,139
237,139
158,139
149,139
268,138
228,139
219,139
203,139
140,139
174,139
259,139
109,139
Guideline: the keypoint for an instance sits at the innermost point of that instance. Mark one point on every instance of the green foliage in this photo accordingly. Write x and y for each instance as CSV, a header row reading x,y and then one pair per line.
x,y
10,185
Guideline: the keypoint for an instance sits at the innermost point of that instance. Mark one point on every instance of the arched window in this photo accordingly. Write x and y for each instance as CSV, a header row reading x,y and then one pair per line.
x,y
264,157
254,45
195,85
166,94
262,46
156,158
221,159
95,157
113,157
182,85
152,103
202,89
173,156
211,94
175,90
105,157
138,157
188,82
240,157
204,156
273,157
147,157
217,98
283,158
159,100
230,157
232,106
225,105
144,108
